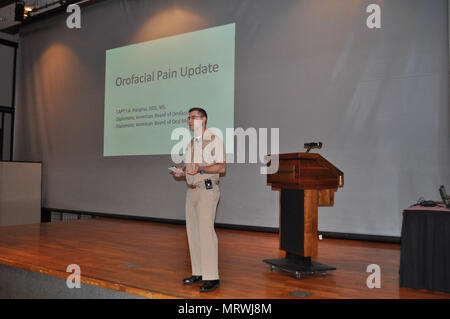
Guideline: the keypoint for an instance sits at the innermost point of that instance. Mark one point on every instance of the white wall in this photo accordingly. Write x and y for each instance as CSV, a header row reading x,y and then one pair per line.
x,y
378,99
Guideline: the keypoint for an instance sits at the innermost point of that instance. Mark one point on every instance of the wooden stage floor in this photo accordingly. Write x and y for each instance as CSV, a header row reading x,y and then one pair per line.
x,y
150,260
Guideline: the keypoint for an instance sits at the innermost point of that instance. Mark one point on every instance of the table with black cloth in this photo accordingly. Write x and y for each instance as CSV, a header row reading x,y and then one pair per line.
x,y
425,248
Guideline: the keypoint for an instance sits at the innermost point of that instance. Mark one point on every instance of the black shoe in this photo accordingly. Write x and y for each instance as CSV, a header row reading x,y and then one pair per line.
x,y
209,285
192,280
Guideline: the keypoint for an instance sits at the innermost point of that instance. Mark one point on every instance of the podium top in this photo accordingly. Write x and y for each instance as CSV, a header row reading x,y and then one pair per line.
x,y
305,171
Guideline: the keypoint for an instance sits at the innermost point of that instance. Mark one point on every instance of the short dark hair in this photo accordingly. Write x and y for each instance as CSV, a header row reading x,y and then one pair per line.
x,y
201,111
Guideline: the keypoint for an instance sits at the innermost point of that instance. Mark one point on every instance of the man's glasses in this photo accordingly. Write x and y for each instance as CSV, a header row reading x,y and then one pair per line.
x,y
194,117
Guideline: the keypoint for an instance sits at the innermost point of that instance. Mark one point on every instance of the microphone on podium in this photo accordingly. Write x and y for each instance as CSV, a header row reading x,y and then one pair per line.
x,y
312,145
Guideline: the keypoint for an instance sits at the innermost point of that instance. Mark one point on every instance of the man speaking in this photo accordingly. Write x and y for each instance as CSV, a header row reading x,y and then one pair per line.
x,y
204,162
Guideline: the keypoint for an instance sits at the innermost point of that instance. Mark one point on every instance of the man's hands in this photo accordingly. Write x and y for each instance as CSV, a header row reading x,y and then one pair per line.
x,y
178,175
218,168
196,170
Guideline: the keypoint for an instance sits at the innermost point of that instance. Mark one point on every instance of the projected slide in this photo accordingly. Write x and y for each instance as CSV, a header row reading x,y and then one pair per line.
x,y
150,86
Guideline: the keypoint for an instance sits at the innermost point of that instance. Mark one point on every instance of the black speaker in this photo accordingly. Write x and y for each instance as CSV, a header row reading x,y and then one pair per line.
x,y
20,10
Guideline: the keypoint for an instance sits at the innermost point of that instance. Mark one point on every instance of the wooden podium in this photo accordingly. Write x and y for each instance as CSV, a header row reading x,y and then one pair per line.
x,y
306,181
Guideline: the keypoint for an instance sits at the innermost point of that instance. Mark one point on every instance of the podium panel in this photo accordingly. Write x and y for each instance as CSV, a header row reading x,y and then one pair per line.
x,y
305,181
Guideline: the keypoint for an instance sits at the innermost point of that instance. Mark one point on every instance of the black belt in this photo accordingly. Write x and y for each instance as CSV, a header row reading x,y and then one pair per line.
x,y
202,185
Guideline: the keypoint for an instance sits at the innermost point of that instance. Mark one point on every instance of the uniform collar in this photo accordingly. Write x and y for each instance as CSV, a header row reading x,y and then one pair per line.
x,y
206,135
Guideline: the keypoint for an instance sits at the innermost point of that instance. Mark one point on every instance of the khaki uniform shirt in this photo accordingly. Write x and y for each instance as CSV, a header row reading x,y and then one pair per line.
x,y
204,151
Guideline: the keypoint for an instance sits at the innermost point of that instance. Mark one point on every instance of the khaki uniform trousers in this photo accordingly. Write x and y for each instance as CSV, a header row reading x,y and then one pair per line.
x,y
201,207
